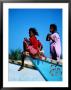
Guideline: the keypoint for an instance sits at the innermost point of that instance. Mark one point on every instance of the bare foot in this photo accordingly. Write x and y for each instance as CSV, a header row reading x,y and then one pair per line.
x,y
20,68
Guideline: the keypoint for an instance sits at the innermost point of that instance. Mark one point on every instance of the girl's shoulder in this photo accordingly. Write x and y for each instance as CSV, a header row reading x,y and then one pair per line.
x,y
55,34
33,38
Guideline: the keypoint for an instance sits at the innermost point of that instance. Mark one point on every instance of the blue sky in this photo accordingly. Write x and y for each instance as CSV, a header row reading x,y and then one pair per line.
x,y
20,20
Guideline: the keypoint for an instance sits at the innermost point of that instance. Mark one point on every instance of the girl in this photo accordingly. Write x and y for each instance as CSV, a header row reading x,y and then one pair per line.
x,y
55,44
32,46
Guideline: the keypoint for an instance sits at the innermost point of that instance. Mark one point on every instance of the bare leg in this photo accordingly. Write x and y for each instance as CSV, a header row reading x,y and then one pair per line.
x,y
23,57
53,53
24,47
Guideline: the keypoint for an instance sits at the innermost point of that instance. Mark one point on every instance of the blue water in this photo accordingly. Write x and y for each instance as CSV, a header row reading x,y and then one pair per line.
x,y
49,71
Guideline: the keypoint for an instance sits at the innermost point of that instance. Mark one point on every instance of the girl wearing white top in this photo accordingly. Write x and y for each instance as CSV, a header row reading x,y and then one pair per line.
x,y
55,44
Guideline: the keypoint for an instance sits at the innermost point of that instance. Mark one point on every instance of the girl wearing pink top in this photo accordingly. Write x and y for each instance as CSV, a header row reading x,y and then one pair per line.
x,y
55,44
